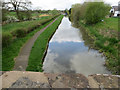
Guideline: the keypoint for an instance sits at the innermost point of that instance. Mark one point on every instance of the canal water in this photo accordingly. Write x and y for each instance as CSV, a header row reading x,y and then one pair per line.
x,y
67,53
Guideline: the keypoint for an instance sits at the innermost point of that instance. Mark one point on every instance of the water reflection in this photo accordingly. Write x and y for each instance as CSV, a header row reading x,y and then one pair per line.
x,y
68,54
67,33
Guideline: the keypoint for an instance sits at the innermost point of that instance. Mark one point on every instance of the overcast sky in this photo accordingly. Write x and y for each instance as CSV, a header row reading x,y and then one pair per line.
x,y
62,4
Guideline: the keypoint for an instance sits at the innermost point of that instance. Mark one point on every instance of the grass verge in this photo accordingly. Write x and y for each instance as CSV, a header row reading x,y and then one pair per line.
x,y
105,39
11,51
37,52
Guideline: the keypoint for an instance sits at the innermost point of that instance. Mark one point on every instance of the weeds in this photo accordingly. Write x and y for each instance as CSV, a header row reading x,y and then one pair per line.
x,y
6,39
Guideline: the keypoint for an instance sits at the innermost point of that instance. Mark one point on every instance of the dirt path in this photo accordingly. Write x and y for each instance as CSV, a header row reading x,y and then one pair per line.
x,y
21,61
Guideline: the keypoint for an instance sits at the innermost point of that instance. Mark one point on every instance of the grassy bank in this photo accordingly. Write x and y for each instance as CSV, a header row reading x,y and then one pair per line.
x,y
21,29
37,52
12,50
104,36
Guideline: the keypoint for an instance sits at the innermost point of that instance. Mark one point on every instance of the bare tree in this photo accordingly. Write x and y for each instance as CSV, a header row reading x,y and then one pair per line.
x,y
18,5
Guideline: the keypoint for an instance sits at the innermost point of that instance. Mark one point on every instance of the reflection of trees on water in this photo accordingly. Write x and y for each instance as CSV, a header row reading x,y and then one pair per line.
x,y
88,41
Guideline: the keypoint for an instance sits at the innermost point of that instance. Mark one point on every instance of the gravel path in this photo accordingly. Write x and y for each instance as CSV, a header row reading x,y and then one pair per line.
x,y
21,61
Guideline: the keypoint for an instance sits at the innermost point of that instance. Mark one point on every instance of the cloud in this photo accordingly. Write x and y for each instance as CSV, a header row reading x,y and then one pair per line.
x,y
62,4
51,4
112,2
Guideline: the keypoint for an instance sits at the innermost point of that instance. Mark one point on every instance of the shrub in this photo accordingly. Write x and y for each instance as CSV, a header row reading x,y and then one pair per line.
x,y
99,44
95,12
12,19
113,40
90,12
6,39
54,12
28,15
13,33
112,63
20,33
77,13
4,14
20,16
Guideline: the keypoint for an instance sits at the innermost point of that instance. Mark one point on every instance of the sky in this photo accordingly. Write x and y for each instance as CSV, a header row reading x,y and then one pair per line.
x,y
62,4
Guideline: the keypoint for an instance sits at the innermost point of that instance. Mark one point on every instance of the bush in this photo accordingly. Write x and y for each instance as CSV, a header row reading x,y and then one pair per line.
x,y
77,13
6,39
90,12
28,15
20,16
99,44
13,33
20,33
95,12
4,14
11,19
54,12
113,40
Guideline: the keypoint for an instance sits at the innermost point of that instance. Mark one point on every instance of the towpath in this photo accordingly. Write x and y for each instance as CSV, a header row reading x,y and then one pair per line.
x,y
21,61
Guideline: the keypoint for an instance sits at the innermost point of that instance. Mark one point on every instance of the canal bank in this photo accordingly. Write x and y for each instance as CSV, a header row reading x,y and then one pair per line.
x,y
104,37
67,53
39,48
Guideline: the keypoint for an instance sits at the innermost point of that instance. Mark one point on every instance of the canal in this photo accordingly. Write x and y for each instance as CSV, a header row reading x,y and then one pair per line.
x,y
67,53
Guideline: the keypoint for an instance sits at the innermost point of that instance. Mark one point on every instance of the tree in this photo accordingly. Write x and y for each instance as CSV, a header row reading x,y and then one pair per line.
x,y
66,12
18,5
38,9
89,12
96,11
4,13
54,11
76,13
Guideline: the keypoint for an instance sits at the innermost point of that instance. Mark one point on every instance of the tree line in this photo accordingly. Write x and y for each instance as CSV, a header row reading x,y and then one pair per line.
x,y
89,12
20,7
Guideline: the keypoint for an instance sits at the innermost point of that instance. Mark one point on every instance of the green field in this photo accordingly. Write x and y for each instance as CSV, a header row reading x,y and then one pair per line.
x,y
105,37
33,14
37,52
